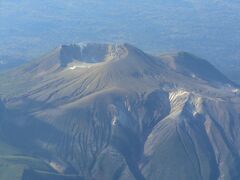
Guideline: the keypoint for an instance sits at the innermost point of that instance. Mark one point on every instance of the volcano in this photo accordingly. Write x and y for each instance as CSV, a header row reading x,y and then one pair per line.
x,y
112,111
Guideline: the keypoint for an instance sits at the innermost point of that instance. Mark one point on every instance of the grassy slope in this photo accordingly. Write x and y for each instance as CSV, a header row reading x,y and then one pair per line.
x,y
12,164
20,167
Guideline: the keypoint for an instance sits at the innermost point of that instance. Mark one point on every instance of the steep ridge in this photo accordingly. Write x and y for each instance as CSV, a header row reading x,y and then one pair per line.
x,y
202,133
195,67
77,55
106,111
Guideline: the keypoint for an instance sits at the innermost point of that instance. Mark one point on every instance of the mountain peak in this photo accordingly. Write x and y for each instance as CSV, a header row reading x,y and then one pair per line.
x,y
92,52
195,67
83,55
121,65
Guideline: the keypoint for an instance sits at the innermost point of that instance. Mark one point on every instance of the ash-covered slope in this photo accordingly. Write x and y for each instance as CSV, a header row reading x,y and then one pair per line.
x,y
111,111
191,65
82,53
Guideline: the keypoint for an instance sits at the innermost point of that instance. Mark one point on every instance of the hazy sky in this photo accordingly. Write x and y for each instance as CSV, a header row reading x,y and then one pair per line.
x,y
207,28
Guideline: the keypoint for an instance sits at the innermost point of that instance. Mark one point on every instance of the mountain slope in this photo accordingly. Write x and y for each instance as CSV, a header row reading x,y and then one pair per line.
x,y
112,111
208,28
191,65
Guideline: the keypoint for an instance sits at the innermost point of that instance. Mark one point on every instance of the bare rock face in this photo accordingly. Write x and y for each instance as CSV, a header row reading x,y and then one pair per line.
x,y
91,52
110,111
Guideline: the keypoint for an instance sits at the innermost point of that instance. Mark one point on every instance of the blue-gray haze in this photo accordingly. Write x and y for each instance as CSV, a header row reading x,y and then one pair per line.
x,y
207,28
